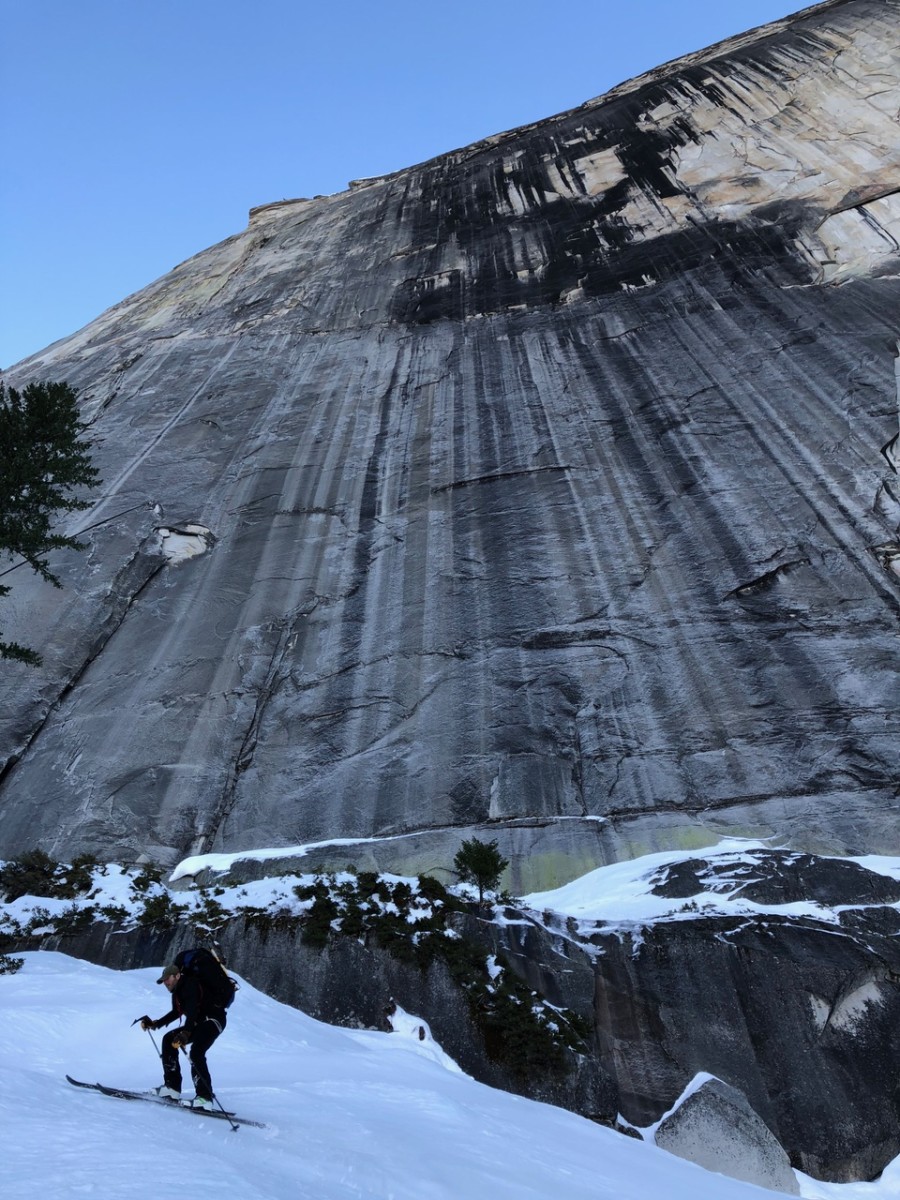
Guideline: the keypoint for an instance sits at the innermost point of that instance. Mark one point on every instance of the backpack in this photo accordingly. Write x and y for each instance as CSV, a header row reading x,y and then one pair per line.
x,y
217,986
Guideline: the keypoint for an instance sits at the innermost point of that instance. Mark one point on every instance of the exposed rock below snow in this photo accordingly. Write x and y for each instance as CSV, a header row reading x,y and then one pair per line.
x,y
547,484
716,1128
775,878
778,973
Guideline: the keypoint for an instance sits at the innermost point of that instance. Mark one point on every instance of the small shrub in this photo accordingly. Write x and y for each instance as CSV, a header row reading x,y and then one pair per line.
x,y
367,883
209,915
432,889
354,919
32,874
40,919
114,913
80,875
10,928
75,918
148,877
160,912
317,925
35,873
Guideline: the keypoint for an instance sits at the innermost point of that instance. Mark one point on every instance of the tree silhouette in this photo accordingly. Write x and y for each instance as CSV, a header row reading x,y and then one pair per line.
x,y
43,460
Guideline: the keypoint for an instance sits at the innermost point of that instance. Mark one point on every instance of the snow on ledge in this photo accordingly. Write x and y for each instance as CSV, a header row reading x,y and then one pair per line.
x,y
648,1132
222,863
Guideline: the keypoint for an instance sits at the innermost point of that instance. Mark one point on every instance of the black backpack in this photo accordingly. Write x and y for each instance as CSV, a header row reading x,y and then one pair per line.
x,y
217,986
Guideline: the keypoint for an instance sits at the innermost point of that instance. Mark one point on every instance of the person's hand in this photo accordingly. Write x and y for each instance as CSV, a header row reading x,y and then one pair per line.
x,y
147,1022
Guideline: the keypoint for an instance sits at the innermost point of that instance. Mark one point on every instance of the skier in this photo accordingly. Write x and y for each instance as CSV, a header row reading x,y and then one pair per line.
x,y
204,1020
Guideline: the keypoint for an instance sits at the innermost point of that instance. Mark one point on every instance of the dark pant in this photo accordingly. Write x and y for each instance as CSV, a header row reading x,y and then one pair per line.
x,y
204,1034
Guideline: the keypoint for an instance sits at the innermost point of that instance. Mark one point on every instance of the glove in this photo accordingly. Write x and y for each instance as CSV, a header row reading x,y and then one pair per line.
x,y
147,1023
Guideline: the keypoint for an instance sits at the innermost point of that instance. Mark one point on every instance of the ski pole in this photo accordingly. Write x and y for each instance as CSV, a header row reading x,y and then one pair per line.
x,y
152,1038
183,1049
234,1127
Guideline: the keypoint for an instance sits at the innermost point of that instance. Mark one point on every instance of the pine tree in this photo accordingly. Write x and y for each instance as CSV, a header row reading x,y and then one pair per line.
x,y
43,460
480,863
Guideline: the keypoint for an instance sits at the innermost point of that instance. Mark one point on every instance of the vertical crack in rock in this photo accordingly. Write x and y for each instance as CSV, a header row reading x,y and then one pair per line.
x,y
887,500
286,631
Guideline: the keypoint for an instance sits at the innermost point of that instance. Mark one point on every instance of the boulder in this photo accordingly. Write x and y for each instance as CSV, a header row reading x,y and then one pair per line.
x,y
714,1126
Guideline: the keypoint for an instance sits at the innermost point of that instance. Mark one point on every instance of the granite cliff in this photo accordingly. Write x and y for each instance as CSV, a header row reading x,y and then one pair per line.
x,y
546,490
550,483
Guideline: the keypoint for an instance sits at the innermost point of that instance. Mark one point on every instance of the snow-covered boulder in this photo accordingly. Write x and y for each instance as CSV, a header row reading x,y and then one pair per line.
x,y
714,1126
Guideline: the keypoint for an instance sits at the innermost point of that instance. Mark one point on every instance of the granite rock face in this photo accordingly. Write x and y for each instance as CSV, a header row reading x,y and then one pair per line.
x,y
792,1001
549,484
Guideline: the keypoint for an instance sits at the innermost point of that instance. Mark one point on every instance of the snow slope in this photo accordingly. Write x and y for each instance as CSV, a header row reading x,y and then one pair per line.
x,y
349,1114
381,1116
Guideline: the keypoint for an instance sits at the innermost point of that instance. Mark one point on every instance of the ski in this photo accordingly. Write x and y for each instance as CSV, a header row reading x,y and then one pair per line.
x,y
152,1098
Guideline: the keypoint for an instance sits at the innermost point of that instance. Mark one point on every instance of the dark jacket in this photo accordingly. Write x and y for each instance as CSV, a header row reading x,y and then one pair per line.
x,y
188,1003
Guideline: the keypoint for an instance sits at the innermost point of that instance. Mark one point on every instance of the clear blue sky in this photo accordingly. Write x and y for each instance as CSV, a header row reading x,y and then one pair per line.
x,y
138,132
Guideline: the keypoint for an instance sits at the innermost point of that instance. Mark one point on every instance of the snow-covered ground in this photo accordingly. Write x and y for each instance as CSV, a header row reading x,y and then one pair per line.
x,y
385,1116
621,895
348,1113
